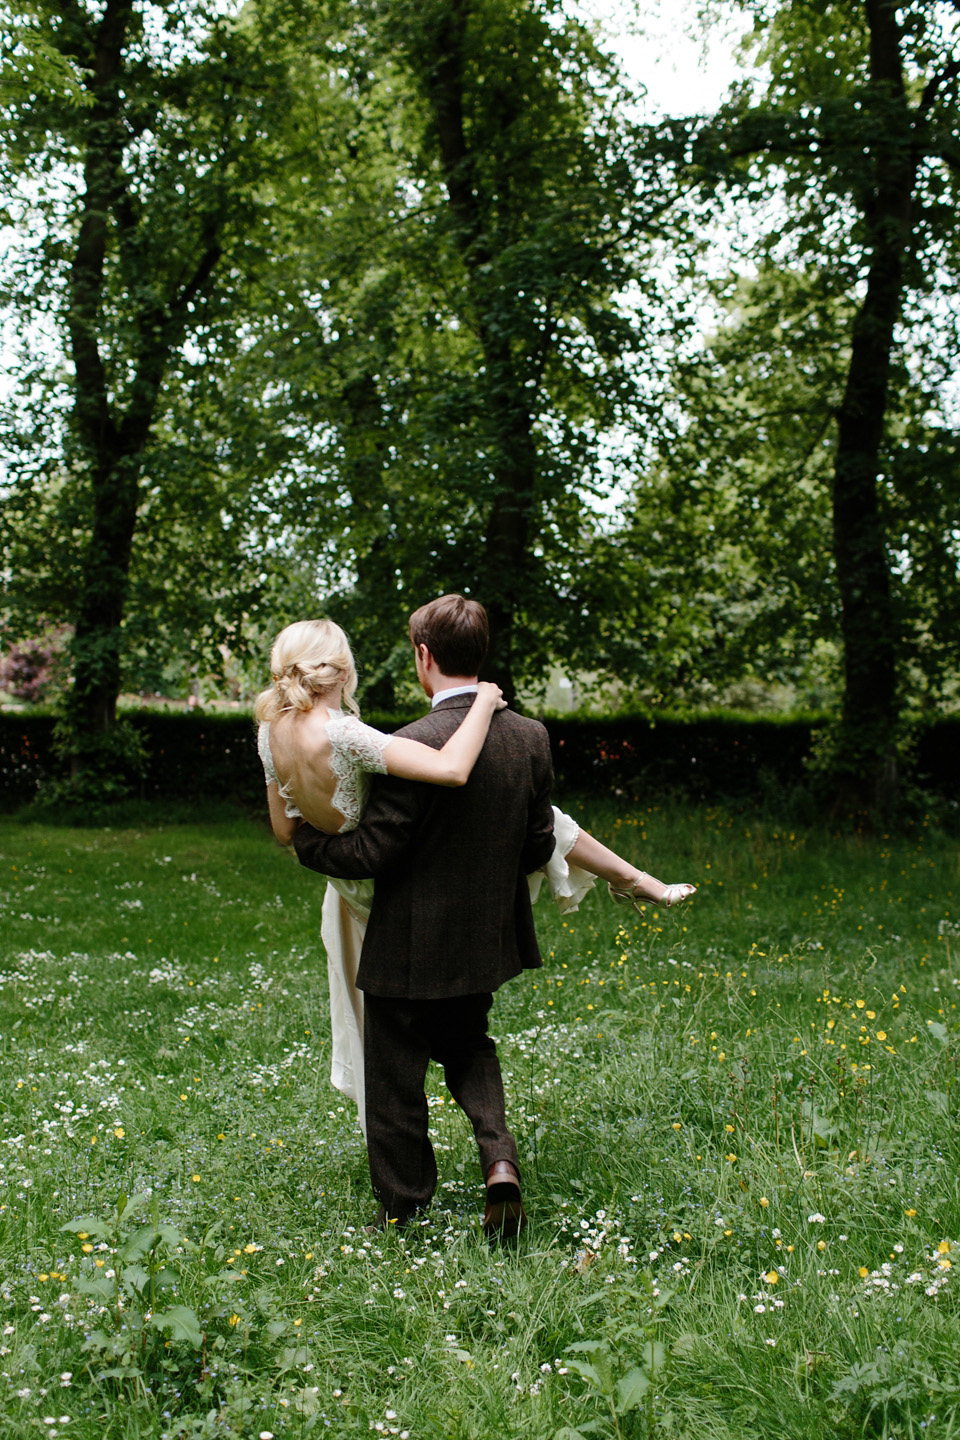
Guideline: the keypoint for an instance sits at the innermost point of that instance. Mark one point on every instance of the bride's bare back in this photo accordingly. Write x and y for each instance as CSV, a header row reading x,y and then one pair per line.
x,y
302,753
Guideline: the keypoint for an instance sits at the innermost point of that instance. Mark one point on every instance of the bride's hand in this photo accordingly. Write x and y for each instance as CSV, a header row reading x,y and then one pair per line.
x,y
488,691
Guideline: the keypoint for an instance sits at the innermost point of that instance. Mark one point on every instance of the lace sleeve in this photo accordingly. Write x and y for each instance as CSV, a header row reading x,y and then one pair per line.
x,y
356,752
364,745
263,749
270,772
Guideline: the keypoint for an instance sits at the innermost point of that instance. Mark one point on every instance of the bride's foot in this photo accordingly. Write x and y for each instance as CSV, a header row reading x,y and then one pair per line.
x,y
647,890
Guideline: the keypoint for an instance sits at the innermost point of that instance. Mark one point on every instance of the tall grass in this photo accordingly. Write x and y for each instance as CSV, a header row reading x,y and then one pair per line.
x,y
737,1121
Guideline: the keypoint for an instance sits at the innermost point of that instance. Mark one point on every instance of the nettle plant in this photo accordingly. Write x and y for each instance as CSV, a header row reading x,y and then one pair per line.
x,y
622,1368
133,1278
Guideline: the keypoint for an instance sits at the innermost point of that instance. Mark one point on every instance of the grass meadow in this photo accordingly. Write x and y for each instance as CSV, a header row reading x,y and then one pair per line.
x,y
738,1125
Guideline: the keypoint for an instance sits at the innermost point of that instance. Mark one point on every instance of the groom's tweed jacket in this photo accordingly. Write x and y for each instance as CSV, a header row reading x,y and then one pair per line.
x,y
451,910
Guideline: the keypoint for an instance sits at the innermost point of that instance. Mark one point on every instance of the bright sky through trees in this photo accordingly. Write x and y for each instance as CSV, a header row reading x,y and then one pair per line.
x,y
685,63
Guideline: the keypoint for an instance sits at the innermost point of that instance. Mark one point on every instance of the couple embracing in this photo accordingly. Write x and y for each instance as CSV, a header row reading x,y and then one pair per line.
x,y
457,831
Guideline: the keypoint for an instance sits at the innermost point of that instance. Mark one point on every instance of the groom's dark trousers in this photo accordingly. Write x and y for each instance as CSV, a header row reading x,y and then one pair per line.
x,y
450,923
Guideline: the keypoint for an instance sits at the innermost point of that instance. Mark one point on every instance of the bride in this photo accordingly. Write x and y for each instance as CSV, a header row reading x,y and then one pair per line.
x,y
318,757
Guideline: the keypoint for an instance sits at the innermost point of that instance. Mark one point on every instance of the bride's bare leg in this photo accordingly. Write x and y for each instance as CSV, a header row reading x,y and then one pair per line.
x,y
590,855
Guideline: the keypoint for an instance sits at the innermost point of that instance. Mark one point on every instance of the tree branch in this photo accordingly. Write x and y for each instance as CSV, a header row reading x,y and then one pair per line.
x,y
886,66
160,329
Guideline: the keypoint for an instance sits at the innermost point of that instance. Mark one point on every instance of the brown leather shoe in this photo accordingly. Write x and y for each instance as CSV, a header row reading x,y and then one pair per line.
x,y
504,1216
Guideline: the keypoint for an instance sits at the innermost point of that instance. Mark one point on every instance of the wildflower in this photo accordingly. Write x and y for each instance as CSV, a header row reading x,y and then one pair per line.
x,y
863,1272
764,1201
772,1277
816,1218
119,1132
944,1247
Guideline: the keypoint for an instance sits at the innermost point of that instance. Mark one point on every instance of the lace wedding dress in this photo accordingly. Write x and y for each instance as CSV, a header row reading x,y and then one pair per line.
x,y
356,753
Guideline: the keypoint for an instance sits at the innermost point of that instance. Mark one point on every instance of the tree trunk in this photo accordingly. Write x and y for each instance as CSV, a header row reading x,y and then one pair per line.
x,y
112,443
503,573
96,669
870,701
96,644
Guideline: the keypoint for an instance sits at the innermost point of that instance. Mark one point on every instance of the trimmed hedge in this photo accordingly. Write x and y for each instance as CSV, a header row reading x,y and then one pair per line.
x,y
213,756
702,756
25,745
209,756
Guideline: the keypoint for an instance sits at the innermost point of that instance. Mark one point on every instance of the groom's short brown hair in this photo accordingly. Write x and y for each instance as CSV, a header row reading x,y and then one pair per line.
x,y
456,632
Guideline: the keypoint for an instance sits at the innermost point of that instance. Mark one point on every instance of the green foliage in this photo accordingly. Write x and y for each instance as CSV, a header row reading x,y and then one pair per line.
x,y
391,300
622,1369
92,771
29,63
148,1265
471,342
852,137
137,505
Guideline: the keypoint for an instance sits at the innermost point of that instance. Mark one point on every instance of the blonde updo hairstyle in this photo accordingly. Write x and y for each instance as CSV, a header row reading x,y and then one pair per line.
x,y
308,659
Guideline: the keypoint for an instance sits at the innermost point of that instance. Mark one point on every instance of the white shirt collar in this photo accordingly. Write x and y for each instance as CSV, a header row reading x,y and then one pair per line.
x,y
454,690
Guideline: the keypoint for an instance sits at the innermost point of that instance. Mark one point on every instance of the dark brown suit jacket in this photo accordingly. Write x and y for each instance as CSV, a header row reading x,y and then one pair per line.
x,y
451,910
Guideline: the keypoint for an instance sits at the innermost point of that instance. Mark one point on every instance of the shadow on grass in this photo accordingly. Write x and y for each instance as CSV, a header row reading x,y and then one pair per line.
x,y
140,814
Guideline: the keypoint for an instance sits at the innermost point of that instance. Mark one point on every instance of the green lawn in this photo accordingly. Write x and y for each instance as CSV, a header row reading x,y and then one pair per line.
x,y
738,1125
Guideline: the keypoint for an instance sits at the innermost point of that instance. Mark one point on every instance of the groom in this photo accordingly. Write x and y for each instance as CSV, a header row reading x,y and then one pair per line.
x,y
450,923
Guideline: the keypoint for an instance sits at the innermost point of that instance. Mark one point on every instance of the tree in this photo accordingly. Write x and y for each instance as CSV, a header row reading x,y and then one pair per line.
x,y
859,129
472,330
155,212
